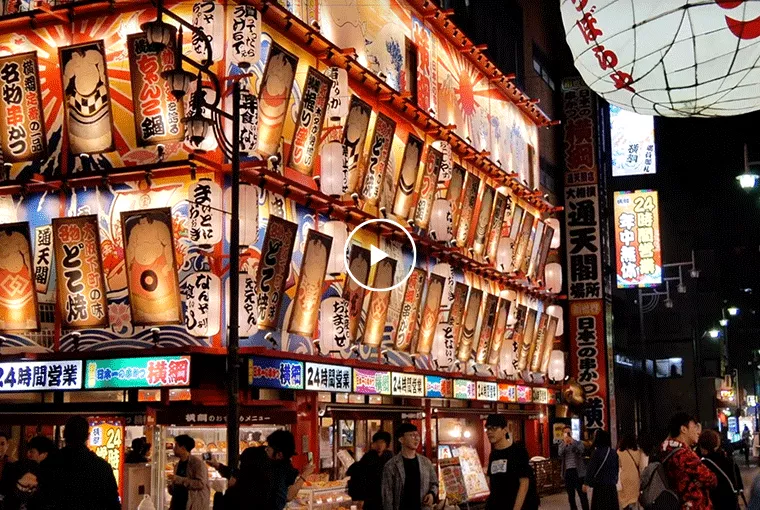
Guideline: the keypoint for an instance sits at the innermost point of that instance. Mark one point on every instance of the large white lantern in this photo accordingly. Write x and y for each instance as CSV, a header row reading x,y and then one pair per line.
x,y
335,333
440,220
557,365
249,213
557,236
338,230
504,254
553,281
676,58
556,311
444,351
332,175
508,358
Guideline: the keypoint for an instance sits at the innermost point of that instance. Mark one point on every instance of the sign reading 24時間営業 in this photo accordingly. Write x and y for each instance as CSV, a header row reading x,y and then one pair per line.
x,y
157,372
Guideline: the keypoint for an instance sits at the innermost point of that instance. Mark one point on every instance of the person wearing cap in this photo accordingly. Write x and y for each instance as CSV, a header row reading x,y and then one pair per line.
x,y
410,481
509,470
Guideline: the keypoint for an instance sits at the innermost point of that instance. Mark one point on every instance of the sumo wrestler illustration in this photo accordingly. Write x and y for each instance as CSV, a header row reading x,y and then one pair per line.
x,y
18,299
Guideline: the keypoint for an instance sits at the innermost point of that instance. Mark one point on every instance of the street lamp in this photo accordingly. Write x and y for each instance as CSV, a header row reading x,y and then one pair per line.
x,y
732,311
204,132
714,333
748,179
723,323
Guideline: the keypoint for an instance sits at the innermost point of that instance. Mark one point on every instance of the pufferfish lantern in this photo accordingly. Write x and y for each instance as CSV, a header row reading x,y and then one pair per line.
x,y
573,394
675,58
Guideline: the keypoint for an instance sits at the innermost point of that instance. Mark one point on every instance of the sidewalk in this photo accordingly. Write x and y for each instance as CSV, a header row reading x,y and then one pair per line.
x,y
559,501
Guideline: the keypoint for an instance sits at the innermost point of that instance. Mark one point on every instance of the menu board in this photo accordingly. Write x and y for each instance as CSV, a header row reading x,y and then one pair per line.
x,y
451,481
474,477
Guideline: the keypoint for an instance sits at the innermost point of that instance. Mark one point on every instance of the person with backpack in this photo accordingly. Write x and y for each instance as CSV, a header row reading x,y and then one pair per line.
x,y
366,476
509,470
687,477
725,495
631,464
602,473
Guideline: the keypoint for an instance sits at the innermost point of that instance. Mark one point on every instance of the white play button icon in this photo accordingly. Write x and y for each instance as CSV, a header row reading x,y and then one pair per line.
x,y
377,255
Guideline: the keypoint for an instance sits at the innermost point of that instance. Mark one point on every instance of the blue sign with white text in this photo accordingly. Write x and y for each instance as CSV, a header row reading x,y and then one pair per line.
x,y
281,374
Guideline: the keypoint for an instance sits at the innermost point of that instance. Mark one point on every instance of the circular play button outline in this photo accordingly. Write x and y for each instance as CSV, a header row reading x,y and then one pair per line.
x,y
348,244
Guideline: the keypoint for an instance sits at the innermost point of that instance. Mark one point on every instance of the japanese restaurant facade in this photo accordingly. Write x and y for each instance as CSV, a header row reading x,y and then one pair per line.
x,y
115,231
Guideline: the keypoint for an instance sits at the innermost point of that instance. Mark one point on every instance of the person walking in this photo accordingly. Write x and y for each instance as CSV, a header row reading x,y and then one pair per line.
x,y
573,468
691,480
509,470
725,495
602,473
83,481
631,460
367,474
747,440
189,485
410,481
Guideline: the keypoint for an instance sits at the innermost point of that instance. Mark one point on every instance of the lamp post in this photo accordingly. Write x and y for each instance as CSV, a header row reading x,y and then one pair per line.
x,y
652,297
200,129
748,179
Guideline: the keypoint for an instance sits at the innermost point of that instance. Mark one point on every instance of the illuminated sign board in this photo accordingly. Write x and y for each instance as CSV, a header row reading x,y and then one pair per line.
x,y
40,375
321,377
275,373
632,138
372,382
638,252
156,372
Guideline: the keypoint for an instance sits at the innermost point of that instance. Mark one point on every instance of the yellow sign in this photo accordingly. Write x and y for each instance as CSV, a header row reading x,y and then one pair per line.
x,y
107,441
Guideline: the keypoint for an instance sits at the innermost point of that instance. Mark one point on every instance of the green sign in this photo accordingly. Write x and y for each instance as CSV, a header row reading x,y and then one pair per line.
x,y
158,372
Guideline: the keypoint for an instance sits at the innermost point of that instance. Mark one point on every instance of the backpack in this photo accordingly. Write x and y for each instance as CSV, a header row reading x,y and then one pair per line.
x,y
656,493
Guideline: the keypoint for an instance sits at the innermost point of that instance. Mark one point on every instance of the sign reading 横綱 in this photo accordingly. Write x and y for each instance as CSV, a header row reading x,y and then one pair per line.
x,y
157,112
280,374
43,257
588,352
40,375
311,116
22,123
321,377
18,297
273,270
408,385
637,239
372,382
438,387
156,372
80,286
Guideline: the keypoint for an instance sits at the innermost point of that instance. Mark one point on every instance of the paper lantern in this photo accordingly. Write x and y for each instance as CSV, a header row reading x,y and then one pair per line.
x,y
205,197
553,278
508,358
203,301
504,254
444,349
557,365
557,237
249,213
334,327
338,230
246,305
556,311
332,174
677,58
440,220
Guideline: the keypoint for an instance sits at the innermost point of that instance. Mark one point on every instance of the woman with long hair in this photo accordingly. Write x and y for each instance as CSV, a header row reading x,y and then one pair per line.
x,y
602,474
631,460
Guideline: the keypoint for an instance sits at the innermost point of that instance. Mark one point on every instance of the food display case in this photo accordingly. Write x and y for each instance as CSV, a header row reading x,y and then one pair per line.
x,y
322,495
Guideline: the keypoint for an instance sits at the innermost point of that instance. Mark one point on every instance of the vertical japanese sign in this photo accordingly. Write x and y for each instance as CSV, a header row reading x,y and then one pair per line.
x,y
499,330
377,157
407,322
454,193
203,296
359,264
274,97
637,239
632,141
427,91
588,359
311,116
303,318
80,286
208,17
497,221
354,134
244,47
425,199
486,329
43,257
87,99
205,197
246,305
377,313
151,268
467,335
273,270
407,177
107,442
522,241
157,112
481,227
22,123
249,118
429,317
337,106
456,314
18,297
467,208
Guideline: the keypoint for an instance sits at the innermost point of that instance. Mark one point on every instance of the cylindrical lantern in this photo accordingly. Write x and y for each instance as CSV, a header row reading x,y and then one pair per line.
x,y
249,213
553,278
334,328
504,254
338,230
556,311
440,220
332,176
557,365
557,236
444,351
508,358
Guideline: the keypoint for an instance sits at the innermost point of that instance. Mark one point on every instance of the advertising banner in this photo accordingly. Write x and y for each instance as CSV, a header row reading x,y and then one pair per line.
x,y
484,218
107,442
424,207
429,317
438,387
274,267
407,177
40,376
359,263
467,336
372,382
303,318
316,92
22,121
43,257
467,209
488,391
632,139
407,323
377,157
354,134
280,374
18,297
274,97
488,322
374,327
408,385
335,378
638,251
156,372
465,389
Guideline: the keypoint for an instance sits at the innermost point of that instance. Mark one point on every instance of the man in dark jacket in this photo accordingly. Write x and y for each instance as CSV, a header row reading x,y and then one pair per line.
x,y
367,474
84,481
